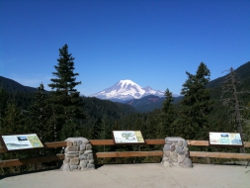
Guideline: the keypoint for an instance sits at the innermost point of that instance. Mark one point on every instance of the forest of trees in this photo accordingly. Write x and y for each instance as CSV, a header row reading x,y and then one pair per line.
x,y
63,113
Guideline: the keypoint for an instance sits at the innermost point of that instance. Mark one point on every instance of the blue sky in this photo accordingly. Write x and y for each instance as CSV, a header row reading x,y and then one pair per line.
x,y
151,42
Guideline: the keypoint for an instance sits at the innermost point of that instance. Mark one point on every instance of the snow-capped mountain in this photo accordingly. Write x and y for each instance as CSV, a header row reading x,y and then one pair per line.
x,y
125,90
150,91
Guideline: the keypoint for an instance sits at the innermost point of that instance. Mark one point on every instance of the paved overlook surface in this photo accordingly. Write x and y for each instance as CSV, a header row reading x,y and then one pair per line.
x,y
149,175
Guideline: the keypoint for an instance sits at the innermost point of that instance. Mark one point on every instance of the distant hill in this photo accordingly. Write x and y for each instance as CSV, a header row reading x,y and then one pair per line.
x,y
13,86
242,72
149,103
98,108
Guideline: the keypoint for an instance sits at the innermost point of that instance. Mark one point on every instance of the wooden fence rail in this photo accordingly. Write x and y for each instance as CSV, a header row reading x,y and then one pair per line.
x,y
60,144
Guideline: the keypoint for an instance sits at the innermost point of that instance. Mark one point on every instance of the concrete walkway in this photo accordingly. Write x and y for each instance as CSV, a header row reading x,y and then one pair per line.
x,y
150,175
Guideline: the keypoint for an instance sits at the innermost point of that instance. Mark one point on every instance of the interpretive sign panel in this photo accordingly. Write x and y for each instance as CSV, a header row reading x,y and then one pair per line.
x,y
128,137
225,139
21,142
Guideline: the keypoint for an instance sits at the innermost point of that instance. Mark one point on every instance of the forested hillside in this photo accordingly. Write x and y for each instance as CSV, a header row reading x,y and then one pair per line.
x,y
242,73
150,103
12,86
97,110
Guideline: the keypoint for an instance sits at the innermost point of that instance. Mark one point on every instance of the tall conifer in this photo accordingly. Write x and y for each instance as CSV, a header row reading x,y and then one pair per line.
x,y
196,105
167,116
3,104
65,100
40,113
13,122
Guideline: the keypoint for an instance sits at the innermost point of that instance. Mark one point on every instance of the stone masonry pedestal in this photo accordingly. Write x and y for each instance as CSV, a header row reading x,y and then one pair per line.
x,y
176,153
78,155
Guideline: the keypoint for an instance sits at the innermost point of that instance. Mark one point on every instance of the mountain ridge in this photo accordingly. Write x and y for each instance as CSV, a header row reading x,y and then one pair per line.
x,y
150,103
13,86
125,90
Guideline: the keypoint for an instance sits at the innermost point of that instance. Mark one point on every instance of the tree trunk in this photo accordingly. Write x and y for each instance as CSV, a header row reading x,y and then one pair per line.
x,y
237,108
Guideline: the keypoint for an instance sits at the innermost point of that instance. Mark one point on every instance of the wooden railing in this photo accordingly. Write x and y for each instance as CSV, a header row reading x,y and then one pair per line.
x,y
51,145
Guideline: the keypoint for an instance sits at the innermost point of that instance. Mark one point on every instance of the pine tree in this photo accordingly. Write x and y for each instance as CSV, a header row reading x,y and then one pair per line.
x,y
3,104
13,122
40,113
195,106
246,124
96,129
65,100
167,116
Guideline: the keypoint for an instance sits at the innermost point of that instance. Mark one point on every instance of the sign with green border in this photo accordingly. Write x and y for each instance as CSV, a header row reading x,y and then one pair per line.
x,y
21,142
128,137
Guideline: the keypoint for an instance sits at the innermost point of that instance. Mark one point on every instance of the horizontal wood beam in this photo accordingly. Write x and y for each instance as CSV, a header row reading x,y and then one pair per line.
x,y
198,142
160,153
155,141
128,154
149,142
220,155
158,142
102,142
110,142
59,144
20,162
206,143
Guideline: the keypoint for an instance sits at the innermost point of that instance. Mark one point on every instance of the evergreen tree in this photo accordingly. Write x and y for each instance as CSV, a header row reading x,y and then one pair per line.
x,y
195,106
246,125
167,117
65,100
13,122
3,104
96,129
40,113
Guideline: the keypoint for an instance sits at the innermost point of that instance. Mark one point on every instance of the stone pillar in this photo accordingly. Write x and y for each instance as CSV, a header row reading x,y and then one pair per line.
x,y
78,155
176,153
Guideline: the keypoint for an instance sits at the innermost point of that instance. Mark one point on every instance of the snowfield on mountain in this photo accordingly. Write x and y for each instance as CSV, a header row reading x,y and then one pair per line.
x,y
125,90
